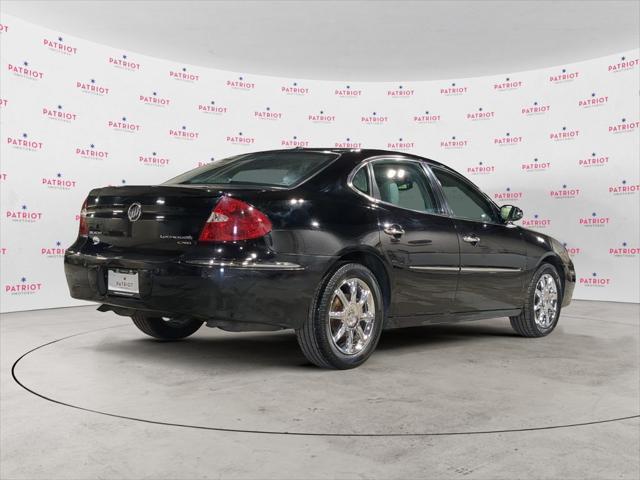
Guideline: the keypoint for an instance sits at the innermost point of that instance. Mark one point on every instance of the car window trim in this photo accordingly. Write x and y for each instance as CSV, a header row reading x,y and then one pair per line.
x,y
443,210
471,184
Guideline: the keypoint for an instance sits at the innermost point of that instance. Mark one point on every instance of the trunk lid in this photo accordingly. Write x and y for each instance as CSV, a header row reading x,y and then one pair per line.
x,y
149,218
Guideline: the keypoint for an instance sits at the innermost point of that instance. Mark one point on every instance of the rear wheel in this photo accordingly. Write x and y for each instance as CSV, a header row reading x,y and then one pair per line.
x,y
542,305
345,322
164,328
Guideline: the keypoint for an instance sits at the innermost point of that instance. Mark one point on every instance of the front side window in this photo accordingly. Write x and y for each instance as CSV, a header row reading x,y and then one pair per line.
x,y
465,201
277,169
405,185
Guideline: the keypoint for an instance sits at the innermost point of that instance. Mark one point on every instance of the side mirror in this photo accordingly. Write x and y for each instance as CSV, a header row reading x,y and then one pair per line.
x,y
510,213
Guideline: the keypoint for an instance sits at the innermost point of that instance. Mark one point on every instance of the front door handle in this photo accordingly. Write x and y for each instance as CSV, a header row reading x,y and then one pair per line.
x,y
394,230
472,239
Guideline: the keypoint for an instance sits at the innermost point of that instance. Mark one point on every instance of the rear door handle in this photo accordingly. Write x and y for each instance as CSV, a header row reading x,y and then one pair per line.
x,y
472,239
394,230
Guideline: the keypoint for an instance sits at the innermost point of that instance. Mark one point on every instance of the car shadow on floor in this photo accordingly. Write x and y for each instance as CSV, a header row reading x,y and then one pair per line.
x,y
280,349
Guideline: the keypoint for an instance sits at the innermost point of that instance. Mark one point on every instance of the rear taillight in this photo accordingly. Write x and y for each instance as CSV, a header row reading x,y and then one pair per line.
x,y
233,220
83,230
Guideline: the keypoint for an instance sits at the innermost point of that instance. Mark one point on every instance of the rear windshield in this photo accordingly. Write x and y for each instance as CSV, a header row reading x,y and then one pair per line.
x,y
277,169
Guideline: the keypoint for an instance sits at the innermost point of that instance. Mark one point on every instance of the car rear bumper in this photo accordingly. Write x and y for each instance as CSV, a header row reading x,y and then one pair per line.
x,y
233,295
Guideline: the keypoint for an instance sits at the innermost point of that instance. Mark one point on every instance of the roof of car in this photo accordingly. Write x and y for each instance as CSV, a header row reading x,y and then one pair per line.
x,y
357,153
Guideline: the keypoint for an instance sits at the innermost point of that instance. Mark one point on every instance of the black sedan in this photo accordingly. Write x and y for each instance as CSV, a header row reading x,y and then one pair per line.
x,y
336,244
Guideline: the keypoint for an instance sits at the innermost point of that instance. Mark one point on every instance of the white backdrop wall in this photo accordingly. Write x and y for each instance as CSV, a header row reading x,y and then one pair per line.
x,y
562,143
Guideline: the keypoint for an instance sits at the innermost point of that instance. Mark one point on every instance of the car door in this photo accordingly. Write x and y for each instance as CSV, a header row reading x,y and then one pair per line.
x,y
492,252
417,238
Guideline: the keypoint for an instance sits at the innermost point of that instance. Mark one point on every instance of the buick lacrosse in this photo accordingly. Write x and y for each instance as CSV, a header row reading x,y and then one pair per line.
x,y
335,244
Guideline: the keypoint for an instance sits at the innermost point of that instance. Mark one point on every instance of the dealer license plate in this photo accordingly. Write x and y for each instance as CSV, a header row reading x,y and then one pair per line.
x,y
123,282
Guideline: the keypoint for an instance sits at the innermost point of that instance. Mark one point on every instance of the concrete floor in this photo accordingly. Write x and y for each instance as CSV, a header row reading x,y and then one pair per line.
x,y
469,400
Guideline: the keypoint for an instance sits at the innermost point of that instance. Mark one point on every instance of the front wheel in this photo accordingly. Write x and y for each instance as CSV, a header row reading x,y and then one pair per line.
x,y
542,304
345,322
164,328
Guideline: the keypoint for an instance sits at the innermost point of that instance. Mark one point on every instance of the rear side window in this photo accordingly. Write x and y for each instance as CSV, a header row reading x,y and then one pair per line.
x,y
276,169
361,180
405,185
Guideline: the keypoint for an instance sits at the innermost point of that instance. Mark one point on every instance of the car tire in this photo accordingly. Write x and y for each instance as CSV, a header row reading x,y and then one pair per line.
x,y
173,329
540,313
346,341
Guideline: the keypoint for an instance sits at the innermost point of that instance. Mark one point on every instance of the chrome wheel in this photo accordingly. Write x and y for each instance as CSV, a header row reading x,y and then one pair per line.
x,y
352,314
545,301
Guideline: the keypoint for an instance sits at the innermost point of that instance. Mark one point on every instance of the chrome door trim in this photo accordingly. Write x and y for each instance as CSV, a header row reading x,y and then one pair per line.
x,y
491,269
434,269
466,269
